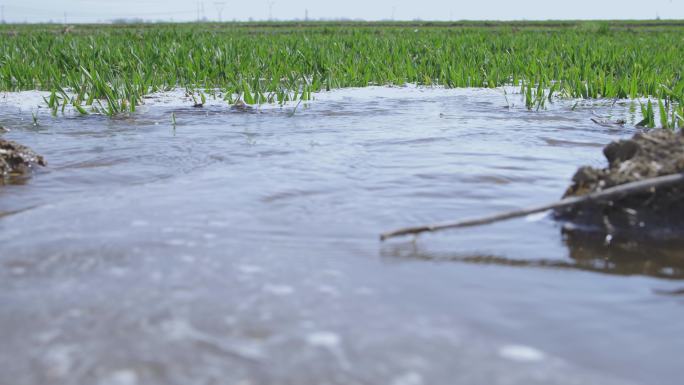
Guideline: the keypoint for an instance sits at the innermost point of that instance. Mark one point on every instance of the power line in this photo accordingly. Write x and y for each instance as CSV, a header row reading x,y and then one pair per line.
x,y
30,11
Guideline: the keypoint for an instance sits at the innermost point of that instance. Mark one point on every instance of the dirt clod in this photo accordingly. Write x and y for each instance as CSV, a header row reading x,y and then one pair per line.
x,y
656,213
16,159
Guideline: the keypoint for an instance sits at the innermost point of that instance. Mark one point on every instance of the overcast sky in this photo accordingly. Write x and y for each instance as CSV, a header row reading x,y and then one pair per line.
x,y
187,10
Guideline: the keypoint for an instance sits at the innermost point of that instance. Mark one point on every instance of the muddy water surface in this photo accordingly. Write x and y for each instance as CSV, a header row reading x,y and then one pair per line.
x,y
242,247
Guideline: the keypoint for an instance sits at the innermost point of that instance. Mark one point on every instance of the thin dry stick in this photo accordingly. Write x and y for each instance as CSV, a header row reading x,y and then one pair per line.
x,y
609,193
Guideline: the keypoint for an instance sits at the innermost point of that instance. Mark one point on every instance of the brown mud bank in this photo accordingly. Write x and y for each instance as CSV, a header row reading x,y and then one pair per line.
x,y
16,160
656,214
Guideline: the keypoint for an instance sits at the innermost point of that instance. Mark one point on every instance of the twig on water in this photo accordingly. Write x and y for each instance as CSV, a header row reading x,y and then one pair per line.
x,y
609,124
609,193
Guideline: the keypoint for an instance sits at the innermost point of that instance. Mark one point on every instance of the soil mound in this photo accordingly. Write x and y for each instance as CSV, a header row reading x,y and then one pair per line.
x,y
16,159
658,213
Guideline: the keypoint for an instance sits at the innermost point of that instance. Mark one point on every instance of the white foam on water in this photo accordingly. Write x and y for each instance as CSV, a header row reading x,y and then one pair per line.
x,y
521,353
410,378
121,377
278,289
324,339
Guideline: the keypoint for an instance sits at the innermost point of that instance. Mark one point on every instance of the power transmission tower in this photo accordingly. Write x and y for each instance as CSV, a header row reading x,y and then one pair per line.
x,y
2,14
219,8
270,10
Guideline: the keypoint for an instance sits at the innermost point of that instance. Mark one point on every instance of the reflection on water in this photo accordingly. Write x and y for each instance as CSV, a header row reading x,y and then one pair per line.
x,y
14,179
591,251
670,292
586,251
240,247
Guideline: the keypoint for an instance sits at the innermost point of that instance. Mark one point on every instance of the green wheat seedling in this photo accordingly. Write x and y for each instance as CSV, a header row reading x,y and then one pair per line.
x,y
109,69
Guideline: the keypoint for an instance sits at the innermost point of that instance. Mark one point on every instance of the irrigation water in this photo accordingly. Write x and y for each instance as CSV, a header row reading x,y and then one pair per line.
x,y
239,246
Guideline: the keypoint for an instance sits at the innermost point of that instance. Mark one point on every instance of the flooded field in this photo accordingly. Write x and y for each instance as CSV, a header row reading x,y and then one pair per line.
x,y
240,246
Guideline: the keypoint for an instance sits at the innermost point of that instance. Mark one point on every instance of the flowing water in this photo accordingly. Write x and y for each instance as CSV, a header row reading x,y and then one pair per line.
x,y
241,247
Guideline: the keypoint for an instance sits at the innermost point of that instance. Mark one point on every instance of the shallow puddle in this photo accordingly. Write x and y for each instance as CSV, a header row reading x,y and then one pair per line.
x,y
241,247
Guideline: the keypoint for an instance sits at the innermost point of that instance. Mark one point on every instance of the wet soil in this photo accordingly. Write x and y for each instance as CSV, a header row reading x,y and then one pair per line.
x,y
16,159
657,213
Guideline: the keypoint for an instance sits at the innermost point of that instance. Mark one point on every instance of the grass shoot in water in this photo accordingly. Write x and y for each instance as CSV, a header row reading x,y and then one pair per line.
x,y
108,69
